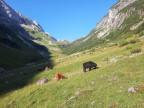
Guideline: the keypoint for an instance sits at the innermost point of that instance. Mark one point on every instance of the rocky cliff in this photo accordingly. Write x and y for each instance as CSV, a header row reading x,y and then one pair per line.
x,y
114,18
10,17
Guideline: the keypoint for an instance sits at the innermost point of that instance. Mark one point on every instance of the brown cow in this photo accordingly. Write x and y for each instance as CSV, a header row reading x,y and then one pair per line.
x,y
59,76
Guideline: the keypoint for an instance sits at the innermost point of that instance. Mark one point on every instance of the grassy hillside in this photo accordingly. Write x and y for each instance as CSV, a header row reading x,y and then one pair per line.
x,y
119,69
17,50
43,38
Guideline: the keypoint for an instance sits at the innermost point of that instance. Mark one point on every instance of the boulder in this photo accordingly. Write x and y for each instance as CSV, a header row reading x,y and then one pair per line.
x,y
92,83
42,81
1,70
79,92
113,60
135,89
132,89
113,78
46,69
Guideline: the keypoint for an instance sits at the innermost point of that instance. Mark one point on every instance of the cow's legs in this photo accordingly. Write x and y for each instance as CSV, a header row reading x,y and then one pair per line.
x,y
90,69
84,69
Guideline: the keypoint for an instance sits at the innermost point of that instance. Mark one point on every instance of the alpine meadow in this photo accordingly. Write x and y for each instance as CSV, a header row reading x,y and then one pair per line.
x,y
104,69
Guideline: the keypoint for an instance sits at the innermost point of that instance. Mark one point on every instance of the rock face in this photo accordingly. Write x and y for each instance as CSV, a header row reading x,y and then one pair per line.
x,y
113,19
9,17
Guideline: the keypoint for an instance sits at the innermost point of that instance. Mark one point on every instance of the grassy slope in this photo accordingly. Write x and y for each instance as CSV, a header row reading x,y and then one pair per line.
x,y
12,57
44,39
102,94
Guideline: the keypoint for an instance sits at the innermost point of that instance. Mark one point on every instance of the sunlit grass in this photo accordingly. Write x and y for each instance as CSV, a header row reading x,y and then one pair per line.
x,y
96,87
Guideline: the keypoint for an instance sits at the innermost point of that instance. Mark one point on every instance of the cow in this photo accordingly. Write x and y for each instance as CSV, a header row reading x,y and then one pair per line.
x,y
59,76
89,65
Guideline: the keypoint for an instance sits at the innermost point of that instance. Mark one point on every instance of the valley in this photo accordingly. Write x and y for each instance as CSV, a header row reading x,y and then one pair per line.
x,y
119,69
28,54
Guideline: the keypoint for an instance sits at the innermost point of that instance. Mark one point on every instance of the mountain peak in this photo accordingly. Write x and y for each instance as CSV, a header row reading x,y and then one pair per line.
x,y
113,19
12,16
35,22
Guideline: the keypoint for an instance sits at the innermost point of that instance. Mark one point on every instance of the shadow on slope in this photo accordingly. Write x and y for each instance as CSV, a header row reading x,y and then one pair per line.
x,y
21,59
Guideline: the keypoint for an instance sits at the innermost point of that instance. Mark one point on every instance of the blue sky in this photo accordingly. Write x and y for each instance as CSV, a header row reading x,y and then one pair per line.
x,y
64,19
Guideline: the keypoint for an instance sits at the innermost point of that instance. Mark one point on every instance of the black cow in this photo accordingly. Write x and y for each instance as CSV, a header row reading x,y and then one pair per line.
x,y
89,65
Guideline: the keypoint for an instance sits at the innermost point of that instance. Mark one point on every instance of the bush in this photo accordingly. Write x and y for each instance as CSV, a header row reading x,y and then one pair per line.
x,y
124,43
141,34
134,40
39,39
92,50
84,52
129,47
136,50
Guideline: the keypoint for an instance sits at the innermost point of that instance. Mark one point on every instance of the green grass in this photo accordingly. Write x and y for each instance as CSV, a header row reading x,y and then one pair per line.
x,y
135,50
100,95
44,39
22,91
103,92
138,5
15,52
124,43
134,41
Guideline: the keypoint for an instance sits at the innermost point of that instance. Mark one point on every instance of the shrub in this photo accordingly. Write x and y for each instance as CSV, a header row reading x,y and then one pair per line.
x,y
39,39
92,50
134,40
141,34
84,52
129,47
136,50
124,43
112,44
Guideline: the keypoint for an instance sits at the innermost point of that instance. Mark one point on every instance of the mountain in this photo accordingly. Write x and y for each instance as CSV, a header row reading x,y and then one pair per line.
x,y
17,46
12,17
124,19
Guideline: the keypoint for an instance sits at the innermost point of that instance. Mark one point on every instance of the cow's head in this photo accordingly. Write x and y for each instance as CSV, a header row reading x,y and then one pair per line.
x,y
63,77
94,65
